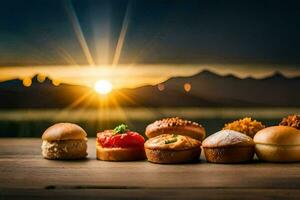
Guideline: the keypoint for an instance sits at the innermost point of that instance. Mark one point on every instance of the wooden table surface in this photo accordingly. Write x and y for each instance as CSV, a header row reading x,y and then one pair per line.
x,y
24,174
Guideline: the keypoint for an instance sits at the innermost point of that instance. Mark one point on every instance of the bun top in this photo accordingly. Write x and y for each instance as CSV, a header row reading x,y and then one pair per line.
x,y
175,125
64,131
172,142
278,135
227,138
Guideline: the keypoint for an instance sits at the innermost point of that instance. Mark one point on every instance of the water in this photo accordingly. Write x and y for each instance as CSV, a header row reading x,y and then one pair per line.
x,y
32,123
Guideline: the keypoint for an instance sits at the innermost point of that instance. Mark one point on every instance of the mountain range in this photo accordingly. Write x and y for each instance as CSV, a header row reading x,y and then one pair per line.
x,y
205,89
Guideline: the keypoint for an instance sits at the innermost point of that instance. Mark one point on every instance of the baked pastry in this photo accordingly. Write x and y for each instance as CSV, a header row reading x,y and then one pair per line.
x,y
120,144
228,146
246,125
64,141
172,148
278,144
176,126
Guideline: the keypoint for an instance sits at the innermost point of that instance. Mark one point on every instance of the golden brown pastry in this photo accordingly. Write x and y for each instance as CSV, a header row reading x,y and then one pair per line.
x,y
176,126
172,148
228,146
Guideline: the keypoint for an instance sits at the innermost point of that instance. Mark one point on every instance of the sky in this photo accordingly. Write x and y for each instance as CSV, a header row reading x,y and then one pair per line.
x,y
81,41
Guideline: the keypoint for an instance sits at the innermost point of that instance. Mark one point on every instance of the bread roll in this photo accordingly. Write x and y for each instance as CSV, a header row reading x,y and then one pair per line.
x,y
64,141
278,144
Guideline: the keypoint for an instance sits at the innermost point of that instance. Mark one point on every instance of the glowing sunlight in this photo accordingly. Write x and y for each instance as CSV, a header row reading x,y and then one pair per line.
x,y
103,86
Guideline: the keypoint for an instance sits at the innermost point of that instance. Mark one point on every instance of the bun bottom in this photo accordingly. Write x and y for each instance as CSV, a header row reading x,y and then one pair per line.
x,y
278,153
120,154
64,149
229,154
172,156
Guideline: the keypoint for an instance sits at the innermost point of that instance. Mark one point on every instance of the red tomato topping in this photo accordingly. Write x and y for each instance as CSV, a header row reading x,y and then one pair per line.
x,y
129,139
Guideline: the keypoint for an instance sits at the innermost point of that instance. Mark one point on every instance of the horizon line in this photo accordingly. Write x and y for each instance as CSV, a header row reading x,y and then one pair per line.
x,y
45,77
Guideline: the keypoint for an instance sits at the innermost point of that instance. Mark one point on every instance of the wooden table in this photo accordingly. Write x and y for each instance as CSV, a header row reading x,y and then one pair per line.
x,y
24,174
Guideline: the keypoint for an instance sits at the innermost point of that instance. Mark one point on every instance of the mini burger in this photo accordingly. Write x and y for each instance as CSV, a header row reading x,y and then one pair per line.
x,y
64,141
120,144
279,143
172,148
228,146
175,126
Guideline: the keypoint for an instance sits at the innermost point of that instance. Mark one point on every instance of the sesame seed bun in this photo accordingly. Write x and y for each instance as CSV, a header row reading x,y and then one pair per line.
x,y
177,126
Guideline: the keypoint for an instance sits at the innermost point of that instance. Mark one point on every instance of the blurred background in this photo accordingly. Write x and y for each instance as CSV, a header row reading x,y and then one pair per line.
x,y
99,63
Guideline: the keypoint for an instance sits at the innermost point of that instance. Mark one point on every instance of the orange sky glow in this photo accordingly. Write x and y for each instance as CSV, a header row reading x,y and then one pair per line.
x,y
129,76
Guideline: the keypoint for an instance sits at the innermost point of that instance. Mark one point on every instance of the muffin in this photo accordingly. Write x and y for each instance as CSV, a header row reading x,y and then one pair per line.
x,y
172,148
175,125
228,146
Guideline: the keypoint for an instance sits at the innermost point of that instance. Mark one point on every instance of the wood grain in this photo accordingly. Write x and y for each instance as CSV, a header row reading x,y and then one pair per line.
x,y
129,194
24,171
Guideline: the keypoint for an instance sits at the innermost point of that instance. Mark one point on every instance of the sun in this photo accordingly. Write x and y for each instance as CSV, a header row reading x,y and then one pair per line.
x,y
103,86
